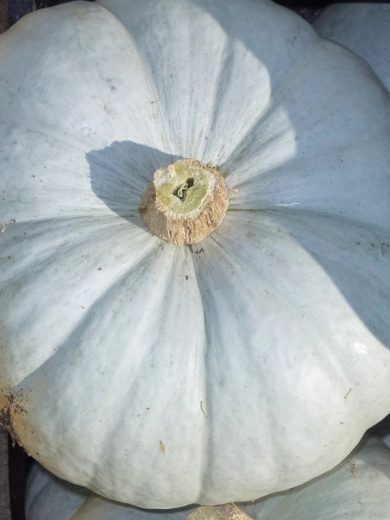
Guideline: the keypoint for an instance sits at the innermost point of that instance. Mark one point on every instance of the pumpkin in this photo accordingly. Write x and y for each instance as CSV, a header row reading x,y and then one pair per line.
x,y
362,28
359,488
161,374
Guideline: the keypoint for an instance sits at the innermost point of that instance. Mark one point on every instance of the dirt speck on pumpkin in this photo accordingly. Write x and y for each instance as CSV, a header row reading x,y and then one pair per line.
x,y
348,392
354,469
111,84
4,225
12,414
162,447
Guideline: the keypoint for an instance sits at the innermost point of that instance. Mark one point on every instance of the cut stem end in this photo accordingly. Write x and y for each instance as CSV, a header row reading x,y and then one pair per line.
x,y
185,202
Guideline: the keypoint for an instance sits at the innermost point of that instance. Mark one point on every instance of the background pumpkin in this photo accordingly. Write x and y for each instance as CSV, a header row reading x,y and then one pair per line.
x,y
162,375
363,28
357,489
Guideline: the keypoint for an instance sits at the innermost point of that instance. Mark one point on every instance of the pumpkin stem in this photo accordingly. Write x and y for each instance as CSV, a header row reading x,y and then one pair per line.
x,y
224,512
185,202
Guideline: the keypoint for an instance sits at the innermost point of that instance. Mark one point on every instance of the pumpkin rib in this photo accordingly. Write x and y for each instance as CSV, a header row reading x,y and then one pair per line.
x,y
38,258
273,449
151,82
139,26
285,211
19,388
350,189
305,39
34,387
281,299
356,489
334,238
278,90
211,287
205,452
41,107
132,392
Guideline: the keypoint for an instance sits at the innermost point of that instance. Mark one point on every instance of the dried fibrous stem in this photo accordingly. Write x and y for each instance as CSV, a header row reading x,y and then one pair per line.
x,y
223,512
185,202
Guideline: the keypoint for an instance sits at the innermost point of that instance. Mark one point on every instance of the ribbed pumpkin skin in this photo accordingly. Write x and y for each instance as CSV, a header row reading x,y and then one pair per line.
x,y
362,28
160,375
358,489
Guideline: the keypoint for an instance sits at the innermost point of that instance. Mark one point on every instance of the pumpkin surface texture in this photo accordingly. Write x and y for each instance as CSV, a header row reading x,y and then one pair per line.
x,y
363,28
163,375
357,489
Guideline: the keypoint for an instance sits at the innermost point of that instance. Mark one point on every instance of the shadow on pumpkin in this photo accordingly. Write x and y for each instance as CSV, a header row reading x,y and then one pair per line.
x,y
120,173
318,189
294,158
